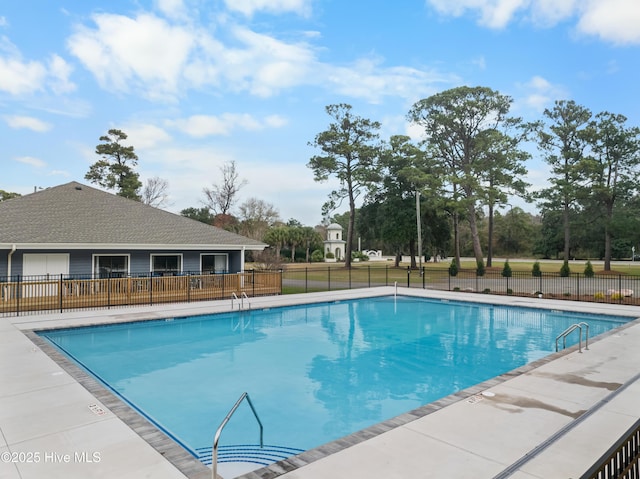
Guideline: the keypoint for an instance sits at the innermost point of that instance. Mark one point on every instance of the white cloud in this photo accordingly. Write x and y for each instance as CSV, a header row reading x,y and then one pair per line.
x,y
199,126
367,79
617,21
493,13
145,50
3,21
249,7
19,76
172,8
147,136
539,93
31,161
613,21
27,122
59,71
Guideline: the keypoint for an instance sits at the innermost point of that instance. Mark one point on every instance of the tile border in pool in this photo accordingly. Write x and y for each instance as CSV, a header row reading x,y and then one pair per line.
x,y
194,469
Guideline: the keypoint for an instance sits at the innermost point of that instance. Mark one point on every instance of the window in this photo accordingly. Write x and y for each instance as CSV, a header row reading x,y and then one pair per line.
x,y
105,266
166,264
214,263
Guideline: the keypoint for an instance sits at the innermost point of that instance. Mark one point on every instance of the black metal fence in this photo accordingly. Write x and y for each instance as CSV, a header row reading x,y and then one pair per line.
x,y
22,294
612,288
621,461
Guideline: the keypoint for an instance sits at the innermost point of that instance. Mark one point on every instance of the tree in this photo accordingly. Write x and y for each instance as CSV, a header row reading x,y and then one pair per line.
x,y
256,216
563,144
199,214
503,173
457,125
350,153
611,169
155,192
7,195
276,237
221,198
115,170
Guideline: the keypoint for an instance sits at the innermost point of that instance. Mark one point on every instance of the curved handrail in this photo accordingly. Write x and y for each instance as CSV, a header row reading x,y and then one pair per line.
x,y
586,325
216,439
568,331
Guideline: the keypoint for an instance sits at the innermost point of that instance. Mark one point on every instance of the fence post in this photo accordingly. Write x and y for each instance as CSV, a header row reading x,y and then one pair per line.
x,y
60,292
408,277
578,286
253,282
349,277
369,273
620,296
423,277
109,290
18,296
386,275
328,278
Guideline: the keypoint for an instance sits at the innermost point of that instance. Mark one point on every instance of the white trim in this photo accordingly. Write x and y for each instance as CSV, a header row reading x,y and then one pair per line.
x,y
153,255
93,261
133,246
226,268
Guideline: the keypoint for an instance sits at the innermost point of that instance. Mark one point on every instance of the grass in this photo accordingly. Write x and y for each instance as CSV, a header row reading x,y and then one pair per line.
x,y
399,274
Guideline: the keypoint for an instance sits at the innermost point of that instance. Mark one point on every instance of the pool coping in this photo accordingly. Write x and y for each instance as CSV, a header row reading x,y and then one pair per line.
x,y
194,469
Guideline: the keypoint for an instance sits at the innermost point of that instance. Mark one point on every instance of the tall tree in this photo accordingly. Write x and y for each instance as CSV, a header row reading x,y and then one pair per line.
x,y
611,168
115,170
350,153
220,198
256,216
563,143
455,123
155,192
503,172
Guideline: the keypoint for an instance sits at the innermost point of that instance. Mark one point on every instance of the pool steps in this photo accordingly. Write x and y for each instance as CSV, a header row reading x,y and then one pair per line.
x,y
251,453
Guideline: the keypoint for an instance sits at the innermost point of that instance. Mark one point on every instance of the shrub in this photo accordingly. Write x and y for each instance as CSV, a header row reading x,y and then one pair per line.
x,y
509,291
617,296
598,296
565,271
316,256
588,270
453,269
535,271
486,290
457,288
480,267
329,255
359,255
506,271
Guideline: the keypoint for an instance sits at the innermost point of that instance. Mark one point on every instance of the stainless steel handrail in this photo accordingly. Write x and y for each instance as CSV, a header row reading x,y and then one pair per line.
x,y
224,422
586,325
244,296
568,331
234,296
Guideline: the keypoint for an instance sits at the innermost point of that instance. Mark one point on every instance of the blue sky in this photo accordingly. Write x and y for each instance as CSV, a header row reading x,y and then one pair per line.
x,y
197,83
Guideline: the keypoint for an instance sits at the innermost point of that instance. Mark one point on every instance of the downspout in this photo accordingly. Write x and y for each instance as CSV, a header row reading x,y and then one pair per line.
x,y
13,250
242,260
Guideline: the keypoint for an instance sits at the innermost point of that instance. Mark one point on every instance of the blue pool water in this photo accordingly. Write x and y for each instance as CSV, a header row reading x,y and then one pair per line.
x,y
314,372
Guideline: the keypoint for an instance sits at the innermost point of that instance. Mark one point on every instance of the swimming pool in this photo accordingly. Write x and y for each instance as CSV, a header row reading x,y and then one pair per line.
x,y
316,372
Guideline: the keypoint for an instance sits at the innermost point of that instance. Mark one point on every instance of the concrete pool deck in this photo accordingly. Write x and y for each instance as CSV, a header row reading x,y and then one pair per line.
x,y
551,419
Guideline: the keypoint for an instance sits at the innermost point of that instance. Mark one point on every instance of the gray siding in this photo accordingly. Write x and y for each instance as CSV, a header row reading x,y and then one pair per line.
x,y
80,261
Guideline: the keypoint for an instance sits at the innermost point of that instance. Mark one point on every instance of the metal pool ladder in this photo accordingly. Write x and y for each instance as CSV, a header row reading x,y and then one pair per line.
x,y
240,300
216,438
563,335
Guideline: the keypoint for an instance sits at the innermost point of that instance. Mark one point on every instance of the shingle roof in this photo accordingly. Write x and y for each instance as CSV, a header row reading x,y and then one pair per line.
x,y
76,214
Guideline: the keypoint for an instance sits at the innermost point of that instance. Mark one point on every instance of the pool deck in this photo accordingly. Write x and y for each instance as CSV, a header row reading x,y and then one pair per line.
x,y
552,419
